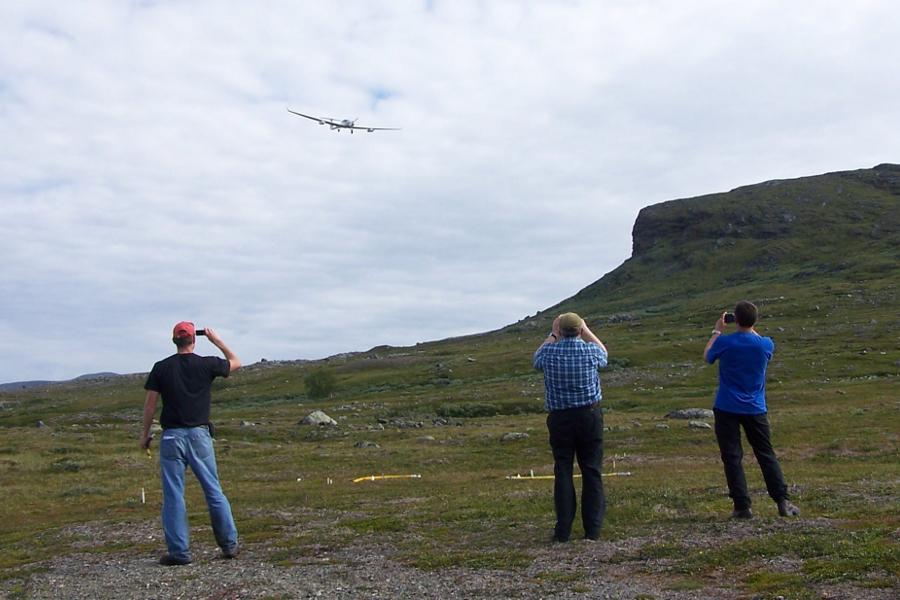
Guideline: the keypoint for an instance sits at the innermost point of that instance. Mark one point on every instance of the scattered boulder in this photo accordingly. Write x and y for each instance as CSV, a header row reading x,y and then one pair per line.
x,y
691,413
317,417
699,425
662,426
247,424
366,444
426,439
514,436
41,424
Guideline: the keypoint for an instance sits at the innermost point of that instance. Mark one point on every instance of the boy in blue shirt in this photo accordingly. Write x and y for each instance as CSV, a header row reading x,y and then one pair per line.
x,y
741,402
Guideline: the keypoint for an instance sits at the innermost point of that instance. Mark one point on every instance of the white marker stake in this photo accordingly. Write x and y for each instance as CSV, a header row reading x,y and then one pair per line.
x,y
143,497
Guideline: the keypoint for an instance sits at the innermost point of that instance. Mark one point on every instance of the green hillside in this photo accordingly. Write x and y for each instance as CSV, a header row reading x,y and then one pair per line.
x,y
819,255
833,228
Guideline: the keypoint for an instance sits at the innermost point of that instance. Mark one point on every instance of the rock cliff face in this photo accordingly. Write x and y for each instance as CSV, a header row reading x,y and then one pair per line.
x,y
841,226
809,207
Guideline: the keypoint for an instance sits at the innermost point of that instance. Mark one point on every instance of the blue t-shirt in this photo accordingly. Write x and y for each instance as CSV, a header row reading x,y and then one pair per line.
x,y
743,357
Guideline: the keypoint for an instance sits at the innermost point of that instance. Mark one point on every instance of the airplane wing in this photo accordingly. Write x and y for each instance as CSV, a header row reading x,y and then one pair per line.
x,y
319,120
375,128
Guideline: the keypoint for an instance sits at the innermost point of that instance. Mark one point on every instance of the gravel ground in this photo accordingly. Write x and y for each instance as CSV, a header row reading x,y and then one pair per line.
x,y
579,569
361,574
360,571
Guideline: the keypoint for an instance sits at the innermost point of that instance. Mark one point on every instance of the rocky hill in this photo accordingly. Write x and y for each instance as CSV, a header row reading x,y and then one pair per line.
x,y
840,226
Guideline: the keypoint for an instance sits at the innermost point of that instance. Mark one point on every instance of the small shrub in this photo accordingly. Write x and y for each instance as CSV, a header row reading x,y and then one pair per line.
x,y
474,410
82,490
67,465
468,410
319,384
616,362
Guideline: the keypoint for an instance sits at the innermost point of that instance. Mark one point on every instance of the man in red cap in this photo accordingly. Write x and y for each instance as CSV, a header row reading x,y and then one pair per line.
x,y
184,381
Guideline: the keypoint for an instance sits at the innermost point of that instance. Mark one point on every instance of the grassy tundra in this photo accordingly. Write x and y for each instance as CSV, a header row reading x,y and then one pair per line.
x,y
819,256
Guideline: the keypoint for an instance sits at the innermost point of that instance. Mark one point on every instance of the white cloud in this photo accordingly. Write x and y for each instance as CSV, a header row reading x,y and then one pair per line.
x,y
150,171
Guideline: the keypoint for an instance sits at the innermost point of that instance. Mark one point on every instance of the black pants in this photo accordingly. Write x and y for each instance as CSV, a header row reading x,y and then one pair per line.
x,y
577,433
728,434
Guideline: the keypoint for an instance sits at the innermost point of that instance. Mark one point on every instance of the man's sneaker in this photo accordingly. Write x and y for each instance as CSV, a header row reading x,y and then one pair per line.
x,y
171,561
788,509
232,553
742,513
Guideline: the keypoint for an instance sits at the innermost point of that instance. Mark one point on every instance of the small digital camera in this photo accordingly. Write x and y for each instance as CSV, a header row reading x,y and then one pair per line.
x,y
729,318
203,331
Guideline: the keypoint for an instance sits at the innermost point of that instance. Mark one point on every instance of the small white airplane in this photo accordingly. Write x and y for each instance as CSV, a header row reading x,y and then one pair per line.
x,y
343,123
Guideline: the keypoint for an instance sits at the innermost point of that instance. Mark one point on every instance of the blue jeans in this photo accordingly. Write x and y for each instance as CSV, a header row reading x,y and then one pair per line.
x,y
179,448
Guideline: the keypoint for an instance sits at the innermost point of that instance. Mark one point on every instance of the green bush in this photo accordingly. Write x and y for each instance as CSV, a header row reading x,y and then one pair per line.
x,y
468,410
472,410
616,362
319,384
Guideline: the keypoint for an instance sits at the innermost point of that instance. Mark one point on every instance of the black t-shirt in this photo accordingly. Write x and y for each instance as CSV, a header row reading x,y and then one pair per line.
x,y
184,382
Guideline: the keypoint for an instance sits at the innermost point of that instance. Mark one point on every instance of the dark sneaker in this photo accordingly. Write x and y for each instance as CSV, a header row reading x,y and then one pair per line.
x,y
787,509
171,561
232,553
559,539
742,513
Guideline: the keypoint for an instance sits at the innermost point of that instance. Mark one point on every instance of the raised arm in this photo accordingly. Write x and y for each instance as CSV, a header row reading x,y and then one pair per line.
x,y
718,329
554,334
589,336
231,357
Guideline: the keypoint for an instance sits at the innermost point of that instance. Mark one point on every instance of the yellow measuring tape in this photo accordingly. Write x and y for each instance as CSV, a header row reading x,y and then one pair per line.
x,y
533,476
377,477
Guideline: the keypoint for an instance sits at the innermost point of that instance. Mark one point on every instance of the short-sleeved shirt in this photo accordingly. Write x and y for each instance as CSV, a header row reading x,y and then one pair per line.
x,y
743,357
184,382
570,368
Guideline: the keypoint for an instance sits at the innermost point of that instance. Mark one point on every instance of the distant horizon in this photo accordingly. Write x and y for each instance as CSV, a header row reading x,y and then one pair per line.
x,y
247,364
258,360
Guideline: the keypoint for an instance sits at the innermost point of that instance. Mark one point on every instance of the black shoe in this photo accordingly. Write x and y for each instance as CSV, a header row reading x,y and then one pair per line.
x,y
787,509
592,536
229,554
742,513
557,539
170,561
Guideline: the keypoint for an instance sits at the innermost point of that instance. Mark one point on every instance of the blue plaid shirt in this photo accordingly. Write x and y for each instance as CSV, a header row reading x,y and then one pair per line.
x,y
570,372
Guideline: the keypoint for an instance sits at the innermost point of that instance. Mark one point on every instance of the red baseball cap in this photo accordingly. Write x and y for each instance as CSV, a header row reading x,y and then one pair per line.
x,y
183,329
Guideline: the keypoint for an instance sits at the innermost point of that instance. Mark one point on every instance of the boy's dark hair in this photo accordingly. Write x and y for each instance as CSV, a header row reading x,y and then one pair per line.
x,y
183,342
746,313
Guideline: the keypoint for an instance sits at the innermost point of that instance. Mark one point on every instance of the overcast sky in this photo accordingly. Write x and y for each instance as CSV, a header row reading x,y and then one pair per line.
x,y
150,172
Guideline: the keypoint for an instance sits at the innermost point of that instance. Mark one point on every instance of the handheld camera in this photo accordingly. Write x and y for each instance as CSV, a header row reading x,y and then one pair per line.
x,y
729,317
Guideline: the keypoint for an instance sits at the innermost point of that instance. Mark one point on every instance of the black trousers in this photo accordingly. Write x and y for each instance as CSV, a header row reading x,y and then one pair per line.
x,y
728,434
577,433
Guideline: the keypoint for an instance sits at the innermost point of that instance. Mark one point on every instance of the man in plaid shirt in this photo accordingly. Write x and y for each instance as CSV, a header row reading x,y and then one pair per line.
x,y
569,358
